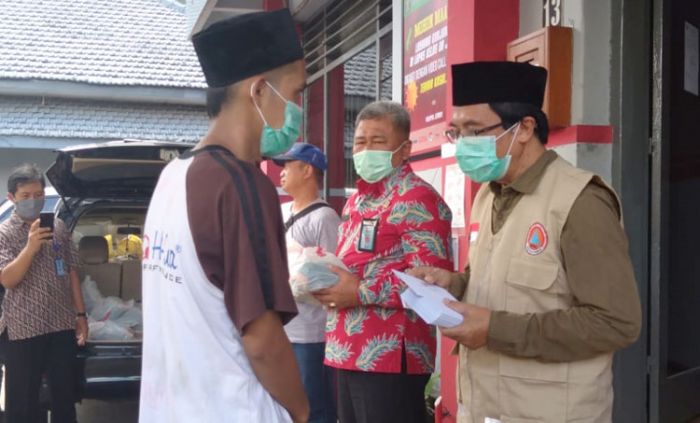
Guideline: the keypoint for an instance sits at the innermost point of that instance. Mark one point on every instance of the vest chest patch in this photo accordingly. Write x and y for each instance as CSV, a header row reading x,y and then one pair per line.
x,y
537,239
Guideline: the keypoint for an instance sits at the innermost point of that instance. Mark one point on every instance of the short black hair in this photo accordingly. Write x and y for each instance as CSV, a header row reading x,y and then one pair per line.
x,y
216,97
319,176
512,113
26,173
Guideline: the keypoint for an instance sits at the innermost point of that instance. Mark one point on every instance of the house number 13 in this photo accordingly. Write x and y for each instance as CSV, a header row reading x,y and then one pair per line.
x,y
552,12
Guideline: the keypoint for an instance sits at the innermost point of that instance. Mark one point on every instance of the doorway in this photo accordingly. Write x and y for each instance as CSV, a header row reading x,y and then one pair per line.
x,y
675,206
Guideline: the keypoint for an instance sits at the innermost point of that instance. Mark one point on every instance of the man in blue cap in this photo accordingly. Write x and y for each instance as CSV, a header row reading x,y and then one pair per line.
x,y
310,222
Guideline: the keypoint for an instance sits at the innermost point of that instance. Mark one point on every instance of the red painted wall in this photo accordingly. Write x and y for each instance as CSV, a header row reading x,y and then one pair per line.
x,y
314,114
273,4
336,127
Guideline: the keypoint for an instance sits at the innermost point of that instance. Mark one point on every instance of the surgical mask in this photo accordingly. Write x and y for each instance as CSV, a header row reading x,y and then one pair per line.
x,y
372,165
478,159
274,142
30,208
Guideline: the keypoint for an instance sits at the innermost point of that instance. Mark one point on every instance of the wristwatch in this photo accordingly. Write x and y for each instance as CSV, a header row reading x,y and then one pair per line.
x,y
81,314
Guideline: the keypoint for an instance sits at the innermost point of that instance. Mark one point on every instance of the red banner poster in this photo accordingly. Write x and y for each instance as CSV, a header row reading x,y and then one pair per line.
x,y
425,61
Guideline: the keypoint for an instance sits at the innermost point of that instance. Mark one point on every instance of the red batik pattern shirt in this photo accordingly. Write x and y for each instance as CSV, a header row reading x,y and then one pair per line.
x,y
413,229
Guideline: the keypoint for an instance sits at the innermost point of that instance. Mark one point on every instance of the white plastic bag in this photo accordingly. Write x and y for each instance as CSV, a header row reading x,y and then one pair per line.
x,y
111,318
91,294
111,308
132,318
109,331
309,272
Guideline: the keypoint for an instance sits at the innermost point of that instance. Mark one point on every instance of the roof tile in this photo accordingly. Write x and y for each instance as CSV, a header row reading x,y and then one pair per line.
x,y
64,118
111,42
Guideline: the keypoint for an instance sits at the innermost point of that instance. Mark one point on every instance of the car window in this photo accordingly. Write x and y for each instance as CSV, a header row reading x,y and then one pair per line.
x,y
6,208
121,228
50,203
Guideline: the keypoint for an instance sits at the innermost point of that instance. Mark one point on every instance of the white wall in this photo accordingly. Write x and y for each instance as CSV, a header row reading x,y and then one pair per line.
x,y
596,158
13,157
591,23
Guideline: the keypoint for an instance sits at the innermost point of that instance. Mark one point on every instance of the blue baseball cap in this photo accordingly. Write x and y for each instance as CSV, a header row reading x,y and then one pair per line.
x,y
307,153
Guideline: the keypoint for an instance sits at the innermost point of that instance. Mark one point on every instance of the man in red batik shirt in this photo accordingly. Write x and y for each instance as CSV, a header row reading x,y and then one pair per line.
x,y
384,353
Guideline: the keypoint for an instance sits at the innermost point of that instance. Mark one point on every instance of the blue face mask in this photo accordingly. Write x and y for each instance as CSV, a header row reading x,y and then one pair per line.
x,y
276,141
478,159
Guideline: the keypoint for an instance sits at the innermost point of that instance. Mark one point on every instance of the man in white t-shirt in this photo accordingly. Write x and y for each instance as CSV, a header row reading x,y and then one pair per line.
x,y
216,290
310,222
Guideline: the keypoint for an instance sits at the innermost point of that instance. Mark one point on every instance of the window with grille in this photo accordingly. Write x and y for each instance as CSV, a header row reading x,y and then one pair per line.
x,y
348,51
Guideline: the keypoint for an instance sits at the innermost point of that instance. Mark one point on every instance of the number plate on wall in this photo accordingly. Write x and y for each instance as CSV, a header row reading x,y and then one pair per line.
x,y
552,13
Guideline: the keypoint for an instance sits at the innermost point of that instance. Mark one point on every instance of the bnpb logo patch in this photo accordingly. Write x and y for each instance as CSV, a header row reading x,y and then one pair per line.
x,y
537,239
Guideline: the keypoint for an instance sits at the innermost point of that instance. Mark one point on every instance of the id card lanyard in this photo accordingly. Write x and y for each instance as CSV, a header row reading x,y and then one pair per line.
x,y
368,232
368,235
58,261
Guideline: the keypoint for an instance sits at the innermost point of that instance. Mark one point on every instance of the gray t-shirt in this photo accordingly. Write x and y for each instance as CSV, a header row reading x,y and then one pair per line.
x,y
318,228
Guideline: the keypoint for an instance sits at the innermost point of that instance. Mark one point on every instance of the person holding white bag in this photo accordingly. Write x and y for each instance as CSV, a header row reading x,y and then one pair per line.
x,y
309,222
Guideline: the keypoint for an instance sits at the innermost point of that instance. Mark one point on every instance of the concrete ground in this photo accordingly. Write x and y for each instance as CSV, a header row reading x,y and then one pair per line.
x,y
93,411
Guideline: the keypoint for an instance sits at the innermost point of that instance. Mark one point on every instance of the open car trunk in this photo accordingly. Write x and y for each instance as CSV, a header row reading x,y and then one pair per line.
x,y
106,189
108,236
117,169
99,182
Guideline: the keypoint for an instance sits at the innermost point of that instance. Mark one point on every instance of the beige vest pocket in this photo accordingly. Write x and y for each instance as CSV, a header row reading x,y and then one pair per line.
x,y
532,390
524,368
530,286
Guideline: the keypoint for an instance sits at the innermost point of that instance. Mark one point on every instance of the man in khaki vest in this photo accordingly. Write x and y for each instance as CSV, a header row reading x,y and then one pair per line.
x,y
549,294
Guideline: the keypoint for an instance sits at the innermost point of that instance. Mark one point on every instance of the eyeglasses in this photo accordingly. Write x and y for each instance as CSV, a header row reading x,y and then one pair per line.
x,y
453,134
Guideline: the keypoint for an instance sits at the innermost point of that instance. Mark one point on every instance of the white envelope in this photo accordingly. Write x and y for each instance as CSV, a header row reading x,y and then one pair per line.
x,y
428,301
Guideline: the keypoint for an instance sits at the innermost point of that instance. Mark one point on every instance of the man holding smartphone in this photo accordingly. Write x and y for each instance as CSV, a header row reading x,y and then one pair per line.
x,y
43,314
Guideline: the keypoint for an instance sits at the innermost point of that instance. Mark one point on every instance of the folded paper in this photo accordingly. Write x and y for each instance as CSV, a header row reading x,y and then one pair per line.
x,y
428,301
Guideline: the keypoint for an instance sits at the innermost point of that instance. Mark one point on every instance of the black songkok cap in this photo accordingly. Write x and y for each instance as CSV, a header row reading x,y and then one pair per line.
x,y
242,46
498,82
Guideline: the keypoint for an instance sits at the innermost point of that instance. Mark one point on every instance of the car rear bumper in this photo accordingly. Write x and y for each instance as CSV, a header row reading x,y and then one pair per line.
x,y
111,370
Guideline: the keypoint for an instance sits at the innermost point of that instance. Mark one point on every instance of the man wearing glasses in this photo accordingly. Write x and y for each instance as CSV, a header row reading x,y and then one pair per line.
x,y
549,294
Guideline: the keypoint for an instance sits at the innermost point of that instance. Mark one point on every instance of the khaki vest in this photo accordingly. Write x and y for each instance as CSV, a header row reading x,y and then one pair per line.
x,y
511,273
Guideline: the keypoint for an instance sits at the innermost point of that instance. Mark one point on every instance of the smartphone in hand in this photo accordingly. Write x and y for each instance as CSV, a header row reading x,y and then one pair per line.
x,y
46,220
